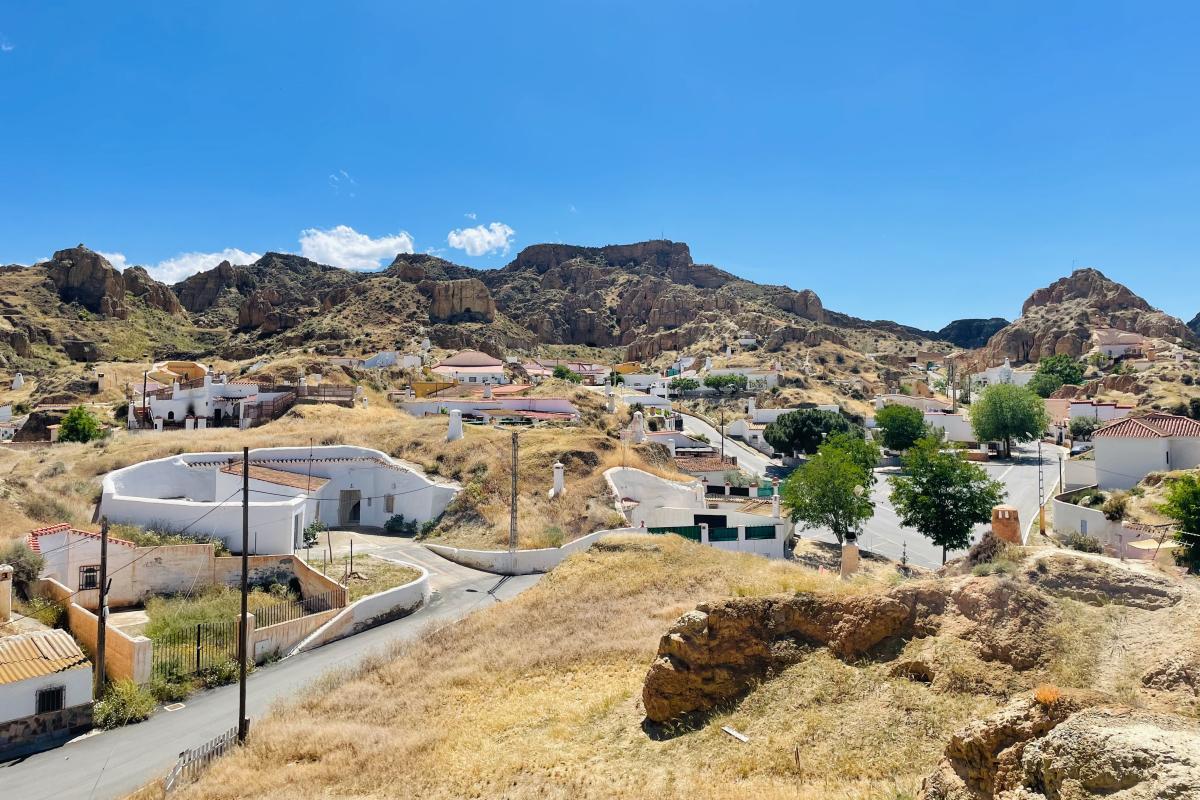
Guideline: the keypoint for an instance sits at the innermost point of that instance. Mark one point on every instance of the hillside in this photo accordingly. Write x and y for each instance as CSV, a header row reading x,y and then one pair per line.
x,y
971,333
1194,325
547,695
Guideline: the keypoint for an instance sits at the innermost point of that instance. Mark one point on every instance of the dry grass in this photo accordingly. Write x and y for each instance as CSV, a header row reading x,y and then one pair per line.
x,y
540,697
371,575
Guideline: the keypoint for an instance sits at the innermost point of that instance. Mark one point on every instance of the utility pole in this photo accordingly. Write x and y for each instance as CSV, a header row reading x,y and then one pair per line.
x,y
243,622
951,377
722,432
1041,493
1062,487
102,608
512,514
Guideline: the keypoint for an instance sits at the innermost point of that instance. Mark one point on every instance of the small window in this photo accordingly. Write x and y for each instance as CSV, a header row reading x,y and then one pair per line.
x,y
89,577
1083,526
389,503
51,699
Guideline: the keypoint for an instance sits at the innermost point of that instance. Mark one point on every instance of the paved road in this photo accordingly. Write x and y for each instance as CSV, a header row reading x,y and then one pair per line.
x,y
884,534
749,459
114,763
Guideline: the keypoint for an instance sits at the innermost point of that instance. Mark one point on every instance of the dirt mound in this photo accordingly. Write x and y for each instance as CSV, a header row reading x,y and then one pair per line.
x,y
1064,749
715,654
1180,672
1097,582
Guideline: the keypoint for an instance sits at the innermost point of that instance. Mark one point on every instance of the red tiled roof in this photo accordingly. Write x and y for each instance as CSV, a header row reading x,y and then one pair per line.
x,y
37,533
471,358
1151,426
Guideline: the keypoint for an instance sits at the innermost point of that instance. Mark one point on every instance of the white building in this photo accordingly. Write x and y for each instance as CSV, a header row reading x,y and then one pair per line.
x,y
956,427
1117,343
751,428
1097,410
508,409
289,488
747,339
471,366
381,360
756,378
45,690
925,404
644,381
206,402
1005,373
1130,449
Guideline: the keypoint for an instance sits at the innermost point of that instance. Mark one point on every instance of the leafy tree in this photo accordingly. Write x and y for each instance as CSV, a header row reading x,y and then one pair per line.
x,y
1082,427
79,426
830,491
684,384
615,377
27,565
1044,384
864,453
1005,412
900,426
1063,367
942,495
721,383
564,373
1183,506
803,431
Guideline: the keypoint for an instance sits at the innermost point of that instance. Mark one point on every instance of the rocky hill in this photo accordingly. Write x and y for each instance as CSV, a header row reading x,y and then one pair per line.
x,y
971,333
635,301
1194,325
1060,318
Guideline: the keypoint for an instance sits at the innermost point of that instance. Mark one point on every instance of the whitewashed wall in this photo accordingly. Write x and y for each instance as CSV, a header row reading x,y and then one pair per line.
x,y
372,610
19,699
522,562
1121,462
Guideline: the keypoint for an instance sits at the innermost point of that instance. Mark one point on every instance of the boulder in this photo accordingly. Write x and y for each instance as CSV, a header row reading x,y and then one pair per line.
x,y
83,276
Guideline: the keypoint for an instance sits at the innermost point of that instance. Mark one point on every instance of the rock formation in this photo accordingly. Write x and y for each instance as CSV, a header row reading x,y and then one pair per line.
x,y
1099,583
138,283
200,291
971,333
1066,747
466,300
258,311
1059,319
715,654
83,276
1194,325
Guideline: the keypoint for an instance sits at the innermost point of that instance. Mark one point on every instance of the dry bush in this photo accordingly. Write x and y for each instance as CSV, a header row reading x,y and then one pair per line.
x,y
1047,694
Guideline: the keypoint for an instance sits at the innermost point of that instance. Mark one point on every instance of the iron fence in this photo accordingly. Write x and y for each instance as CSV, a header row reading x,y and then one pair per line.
x,y
189,652
288,610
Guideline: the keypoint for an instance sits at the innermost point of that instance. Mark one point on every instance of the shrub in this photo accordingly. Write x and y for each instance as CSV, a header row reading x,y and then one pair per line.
x,y
398,524
1186,380
79,425
169,689
1082,427
219,674
1082,542
1046,695
27,565
123,703
987,549
1116,506
312,532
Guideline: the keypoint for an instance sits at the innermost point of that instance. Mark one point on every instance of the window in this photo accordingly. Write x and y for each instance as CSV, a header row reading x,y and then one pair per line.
x,y
389,503
51,699
1083,526
89,577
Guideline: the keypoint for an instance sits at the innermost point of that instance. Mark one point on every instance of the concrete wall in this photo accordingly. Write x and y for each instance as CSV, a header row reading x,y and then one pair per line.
x,y
372,610
957,426
651,492
1112,535
522,562
420,408
1123,461
125,657
277,640
1078,473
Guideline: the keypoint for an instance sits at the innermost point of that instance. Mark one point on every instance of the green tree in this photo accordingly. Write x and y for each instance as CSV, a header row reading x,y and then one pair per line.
x,y
27,565
79,426
684,384
830,491
730,383
563,373
1183,506
1044,384
1063,367
1082,427
1007,413
900,426
803,431
864,453
942,495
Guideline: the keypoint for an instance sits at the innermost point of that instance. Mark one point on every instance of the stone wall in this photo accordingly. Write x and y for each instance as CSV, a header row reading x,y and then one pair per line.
x,y
21,737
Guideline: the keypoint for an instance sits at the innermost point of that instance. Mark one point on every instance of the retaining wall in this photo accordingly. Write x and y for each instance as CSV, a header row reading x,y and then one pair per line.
x,y
375,609
125,657
522,562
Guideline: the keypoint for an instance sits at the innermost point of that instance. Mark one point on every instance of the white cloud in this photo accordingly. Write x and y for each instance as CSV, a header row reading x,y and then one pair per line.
x,y
481,240
342,181
5,45
342,246
471,215
176,268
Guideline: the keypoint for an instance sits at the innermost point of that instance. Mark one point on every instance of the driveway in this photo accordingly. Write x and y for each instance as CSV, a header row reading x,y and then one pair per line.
x,y
884,534
114,763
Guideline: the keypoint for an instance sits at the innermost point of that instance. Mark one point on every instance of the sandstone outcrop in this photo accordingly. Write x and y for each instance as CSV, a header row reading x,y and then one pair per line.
x,y
200,291
1194,325
1177,673
1096,582
258,311
138,283
716,653
1059,319
465,300
83,276
1069,748
971,333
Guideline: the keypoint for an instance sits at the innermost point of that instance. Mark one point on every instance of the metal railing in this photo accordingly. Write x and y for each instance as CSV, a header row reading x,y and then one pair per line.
x,y
191,763
189,652
288,610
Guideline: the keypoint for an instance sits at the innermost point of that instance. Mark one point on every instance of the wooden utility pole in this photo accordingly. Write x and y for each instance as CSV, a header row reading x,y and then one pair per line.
x,y
512,514
243,637
102,609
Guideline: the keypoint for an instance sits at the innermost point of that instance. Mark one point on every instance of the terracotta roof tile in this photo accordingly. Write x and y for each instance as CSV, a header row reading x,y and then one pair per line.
x,y
37,533
1151,426
279,477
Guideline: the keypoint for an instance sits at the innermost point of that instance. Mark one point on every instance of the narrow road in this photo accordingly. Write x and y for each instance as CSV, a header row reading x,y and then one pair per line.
x,y
749,459
114,763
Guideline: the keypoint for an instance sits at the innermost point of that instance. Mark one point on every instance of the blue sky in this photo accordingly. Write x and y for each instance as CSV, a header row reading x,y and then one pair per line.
x,y
912,161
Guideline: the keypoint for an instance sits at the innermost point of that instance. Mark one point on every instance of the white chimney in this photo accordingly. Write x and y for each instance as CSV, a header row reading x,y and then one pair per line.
x,y
455,431
560,486
6,584
18,381
775,497
639,429
487,391
750,406
671,445
612,404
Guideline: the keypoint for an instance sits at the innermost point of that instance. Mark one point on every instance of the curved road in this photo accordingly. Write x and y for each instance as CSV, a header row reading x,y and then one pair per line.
x,y
112,764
